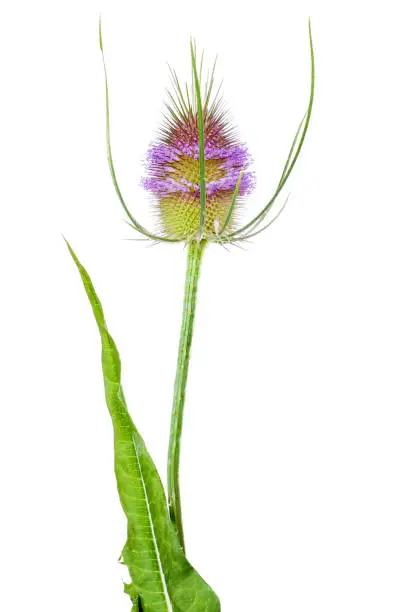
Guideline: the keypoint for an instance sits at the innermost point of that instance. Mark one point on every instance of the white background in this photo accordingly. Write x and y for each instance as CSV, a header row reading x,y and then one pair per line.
x,y
295,454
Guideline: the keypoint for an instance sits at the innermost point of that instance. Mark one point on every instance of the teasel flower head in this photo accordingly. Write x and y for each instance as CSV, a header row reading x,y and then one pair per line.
x,y
173,165
198,172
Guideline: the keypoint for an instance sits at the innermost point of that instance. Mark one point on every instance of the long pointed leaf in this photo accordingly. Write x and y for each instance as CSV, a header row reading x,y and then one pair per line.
x,y
162,578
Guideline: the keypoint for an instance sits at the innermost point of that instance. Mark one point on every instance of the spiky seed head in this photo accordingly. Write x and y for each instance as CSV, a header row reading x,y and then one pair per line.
x,y
173,166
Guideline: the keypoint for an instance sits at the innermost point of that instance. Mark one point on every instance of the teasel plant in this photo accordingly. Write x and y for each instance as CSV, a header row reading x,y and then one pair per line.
x,y
198,176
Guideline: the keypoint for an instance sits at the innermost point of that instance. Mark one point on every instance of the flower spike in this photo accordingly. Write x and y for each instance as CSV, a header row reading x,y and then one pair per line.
x,y
197,170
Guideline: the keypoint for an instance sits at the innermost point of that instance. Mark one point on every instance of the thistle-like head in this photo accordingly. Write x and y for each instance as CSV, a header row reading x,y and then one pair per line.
x,y
174,167
197,170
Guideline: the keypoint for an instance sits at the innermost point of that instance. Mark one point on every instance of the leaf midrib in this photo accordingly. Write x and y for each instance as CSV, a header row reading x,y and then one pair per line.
x,y
154,539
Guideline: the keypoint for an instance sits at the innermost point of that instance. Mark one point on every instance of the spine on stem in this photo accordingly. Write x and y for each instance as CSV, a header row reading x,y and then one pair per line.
x,y
194,257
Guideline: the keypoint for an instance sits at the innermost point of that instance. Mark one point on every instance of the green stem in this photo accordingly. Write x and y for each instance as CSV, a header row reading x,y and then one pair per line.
x,y
195,253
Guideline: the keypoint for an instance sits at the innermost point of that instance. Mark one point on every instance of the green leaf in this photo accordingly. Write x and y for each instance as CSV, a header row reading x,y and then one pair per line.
x,y
162,578
131,590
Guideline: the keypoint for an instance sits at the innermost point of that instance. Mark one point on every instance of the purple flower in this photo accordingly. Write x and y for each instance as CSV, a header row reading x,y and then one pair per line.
x,y
173,170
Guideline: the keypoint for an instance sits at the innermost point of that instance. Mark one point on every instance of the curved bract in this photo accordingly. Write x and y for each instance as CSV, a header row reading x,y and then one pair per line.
x,y
245,231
